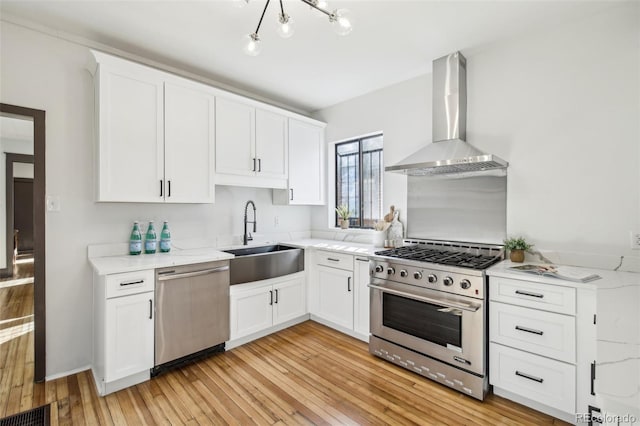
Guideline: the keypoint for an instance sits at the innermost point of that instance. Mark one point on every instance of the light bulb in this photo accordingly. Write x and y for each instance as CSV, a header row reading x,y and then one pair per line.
x,y
285,26
322,4
340,21
252,46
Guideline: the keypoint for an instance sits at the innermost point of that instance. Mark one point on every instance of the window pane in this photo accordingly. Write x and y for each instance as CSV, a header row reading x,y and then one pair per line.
x,y
359,169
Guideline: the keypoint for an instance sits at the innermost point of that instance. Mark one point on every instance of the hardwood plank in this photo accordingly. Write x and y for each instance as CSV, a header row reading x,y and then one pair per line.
x,y
306,374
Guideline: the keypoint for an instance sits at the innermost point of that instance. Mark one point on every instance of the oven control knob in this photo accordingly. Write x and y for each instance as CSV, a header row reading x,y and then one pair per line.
x,y
432,278
379,268
417,275
391,271
403,273
448,281
465,284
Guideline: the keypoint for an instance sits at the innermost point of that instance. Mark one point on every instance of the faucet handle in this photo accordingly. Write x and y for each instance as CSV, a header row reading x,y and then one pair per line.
x,y
249,236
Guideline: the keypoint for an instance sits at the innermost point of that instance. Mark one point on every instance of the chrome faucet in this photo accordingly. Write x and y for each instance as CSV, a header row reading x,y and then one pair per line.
x,y
247,235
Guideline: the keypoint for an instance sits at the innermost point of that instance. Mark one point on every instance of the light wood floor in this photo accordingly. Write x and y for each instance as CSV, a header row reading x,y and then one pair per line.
x,y
307,374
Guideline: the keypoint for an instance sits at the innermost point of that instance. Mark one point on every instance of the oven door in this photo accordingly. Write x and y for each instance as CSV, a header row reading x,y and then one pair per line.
x,y
444,326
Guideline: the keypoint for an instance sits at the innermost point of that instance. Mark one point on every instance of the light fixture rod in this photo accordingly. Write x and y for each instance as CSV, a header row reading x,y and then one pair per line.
x,y
262,17
281,8
316,7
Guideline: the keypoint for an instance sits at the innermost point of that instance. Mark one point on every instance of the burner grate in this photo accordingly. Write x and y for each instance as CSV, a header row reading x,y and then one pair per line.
x,y
451,256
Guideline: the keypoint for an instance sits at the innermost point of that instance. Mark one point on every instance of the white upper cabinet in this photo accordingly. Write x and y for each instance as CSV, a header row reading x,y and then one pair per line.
x,y
155,135
251,145
271,144
129,101
235,138
189,143
306,165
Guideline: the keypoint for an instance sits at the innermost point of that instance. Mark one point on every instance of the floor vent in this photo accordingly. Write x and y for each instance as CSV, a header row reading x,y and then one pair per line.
x,y
36,417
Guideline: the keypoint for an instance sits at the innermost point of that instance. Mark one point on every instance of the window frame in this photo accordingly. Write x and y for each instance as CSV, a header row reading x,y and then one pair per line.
x,y
360,140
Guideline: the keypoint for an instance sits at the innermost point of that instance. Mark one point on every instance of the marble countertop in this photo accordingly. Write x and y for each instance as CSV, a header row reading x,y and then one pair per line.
x,y
116,264
104,265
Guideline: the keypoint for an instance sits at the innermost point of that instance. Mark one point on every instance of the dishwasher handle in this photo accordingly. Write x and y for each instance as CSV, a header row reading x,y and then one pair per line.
x,y
174,276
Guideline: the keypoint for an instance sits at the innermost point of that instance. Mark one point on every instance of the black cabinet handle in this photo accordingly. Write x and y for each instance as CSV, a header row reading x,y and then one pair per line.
x,y
526,293
270,297
291,194
527,376
529,330
161,185
150,309
348,283
331,259
259,164
254,165
124,284
593,378
276,296
169,191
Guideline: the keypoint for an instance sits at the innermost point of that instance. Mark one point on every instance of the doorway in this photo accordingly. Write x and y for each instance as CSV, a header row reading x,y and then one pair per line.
x,y
22,261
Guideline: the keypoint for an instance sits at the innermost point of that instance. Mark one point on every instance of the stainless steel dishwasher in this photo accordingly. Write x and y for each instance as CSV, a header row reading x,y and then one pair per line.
x,y
192,312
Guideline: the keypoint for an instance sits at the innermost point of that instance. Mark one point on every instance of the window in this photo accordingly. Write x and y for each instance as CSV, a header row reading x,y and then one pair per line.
x,y
359,170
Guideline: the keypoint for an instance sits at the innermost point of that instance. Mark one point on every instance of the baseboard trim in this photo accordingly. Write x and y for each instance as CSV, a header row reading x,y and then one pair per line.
x,y
341,329
67,373
246,339
554,412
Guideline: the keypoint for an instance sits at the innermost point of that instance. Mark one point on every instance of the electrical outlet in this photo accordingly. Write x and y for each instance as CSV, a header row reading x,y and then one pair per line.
x,y
635,240
276,221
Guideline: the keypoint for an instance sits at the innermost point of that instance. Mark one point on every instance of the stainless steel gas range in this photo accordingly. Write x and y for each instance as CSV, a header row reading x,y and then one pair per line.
x,y
429,310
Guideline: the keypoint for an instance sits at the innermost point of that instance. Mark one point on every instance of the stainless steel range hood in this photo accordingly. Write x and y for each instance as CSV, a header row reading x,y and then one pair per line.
x,y
449,153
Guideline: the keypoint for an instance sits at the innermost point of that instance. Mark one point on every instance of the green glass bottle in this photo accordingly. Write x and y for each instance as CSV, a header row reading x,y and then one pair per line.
x,y
135,241
165,238
151,240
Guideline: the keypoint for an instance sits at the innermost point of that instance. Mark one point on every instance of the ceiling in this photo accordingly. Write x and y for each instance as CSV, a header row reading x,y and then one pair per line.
x,y
392,41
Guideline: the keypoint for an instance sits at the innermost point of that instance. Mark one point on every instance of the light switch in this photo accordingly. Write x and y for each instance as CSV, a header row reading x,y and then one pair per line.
x,y
53,203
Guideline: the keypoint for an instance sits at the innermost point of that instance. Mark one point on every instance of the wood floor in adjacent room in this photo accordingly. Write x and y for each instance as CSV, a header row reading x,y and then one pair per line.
x,y
307,374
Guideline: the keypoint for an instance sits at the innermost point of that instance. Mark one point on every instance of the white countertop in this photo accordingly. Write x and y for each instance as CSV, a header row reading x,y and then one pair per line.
x,y
609,279
117,264
104,265
333,245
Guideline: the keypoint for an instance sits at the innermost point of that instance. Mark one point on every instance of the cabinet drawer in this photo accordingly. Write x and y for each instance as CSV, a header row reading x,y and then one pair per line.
x,y
547,297
546,381
334,260
543,333
129,283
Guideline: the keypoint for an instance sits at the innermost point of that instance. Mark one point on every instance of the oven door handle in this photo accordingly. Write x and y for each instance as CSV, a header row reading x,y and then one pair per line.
x,y
463,306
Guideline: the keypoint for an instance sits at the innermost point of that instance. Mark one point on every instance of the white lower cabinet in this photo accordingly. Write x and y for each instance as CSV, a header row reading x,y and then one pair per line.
x,y
123,346
256,307
542,344
335,295
361,295
338,292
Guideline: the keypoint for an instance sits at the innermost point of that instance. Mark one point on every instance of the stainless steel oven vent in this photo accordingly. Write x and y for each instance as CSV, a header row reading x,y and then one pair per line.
x,y
449,153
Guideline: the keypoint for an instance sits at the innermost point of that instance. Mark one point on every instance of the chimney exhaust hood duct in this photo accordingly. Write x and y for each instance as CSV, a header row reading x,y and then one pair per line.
x,y
449,153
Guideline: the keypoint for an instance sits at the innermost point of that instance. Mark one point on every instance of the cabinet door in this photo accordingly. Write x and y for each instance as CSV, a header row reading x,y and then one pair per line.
x,y
289,300
361,296
306,163
129,335
271,144
130,133
235,138
189,143
251,311
335,291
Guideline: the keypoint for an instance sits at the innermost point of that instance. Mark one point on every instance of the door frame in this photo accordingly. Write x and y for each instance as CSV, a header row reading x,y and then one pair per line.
x,y
39,208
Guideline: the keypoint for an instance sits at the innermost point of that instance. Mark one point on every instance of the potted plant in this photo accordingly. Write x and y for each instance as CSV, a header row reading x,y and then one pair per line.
x,y
343,215
516,247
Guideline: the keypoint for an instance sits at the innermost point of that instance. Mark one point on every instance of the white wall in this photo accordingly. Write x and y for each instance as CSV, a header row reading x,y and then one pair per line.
x,y
42,72
562,106
14,147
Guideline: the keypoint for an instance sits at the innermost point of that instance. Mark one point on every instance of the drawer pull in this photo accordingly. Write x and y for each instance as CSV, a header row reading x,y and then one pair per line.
x,y
527,376
361,260
529,330
331,259
526,293
124,284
